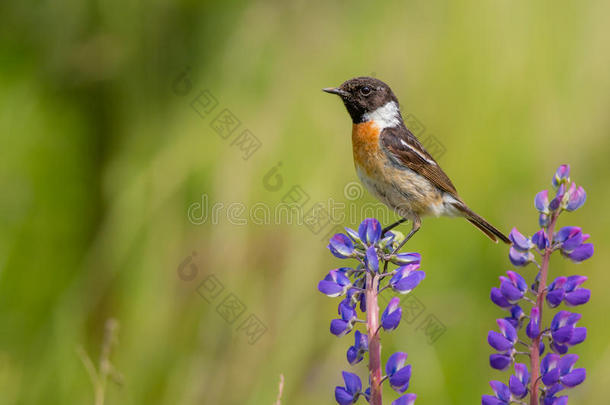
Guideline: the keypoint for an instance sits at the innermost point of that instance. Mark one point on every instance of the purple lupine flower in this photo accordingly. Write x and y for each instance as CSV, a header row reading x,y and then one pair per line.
x,y
540,240
554,371
560,198
560,370
399,375
340,327
370,231
556,292
551,399
513,287
562,175
541,202
564,330
335,283
569,238
407,278
502,394
390,319
544,220
581,253
349,394
407,399
574,294
577,197
355,353
406,258
533,327
519,258
371,259
569,376
360,287
520,242
341,246
516,316
354,236
498,298
504,343
518,383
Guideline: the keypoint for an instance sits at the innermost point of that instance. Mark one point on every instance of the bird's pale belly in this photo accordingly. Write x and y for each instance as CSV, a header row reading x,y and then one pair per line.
x,y
405,192
401,189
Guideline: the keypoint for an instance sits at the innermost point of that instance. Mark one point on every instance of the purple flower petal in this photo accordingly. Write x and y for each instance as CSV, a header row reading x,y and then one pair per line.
x,y
510,292
578,336
339,327
562,174
501,390
578,196
343,397
406,258
533,327
578,297
518,258
522,373
341,246
390,319
354,356
566,363
574,378
551,377
498,299
498,341
507,329
395,362
555,297
407,399
574,282
519,241
491,400
330,288
400,379
541,202
352,382
370,231
371,259
517,388
354,236
540,240
543,220
408,283
499,361
581,253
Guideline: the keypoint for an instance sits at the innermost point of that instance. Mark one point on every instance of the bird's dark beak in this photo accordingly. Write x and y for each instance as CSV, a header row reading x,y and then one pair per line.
x,y
337,91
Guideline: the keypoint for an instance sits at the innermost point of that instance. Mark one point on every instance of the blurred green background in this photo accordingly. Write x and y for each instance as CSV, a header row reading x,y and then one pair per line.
x,y
103,154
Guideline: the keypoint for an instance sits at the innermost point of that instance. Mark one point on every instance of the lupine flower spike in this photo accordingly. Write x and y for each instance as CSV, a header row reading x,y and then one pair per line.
x,y
377,268
521,334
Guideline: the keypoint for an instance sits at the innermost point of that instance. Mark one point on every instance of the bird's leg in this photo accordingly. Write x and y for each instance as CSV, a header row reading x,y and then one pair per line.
x,y
415,228
394,225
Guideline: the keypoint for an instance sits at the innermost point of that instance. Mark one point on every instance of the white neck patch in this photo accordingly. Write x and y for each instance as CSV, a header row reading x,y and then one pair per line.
x,y
387,116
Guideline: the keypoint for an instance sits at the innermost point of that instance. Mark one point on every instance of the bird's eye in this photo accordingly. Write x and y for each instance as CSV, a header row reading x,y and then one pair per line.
x,y
365,91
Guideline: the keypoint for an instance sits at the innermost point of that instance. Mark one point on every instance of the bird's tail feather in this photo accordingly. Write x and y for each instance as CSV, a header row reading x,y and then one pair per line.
x,y
488,229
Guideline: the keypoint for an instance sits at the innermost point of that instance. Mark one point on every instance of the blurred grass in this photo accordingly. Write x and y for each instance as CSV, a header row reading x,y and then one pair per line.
x,y
101,160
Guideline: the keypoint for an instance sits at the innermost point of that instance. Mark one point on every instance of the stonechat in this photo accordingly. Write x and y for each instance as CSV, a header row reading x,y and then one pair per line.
x,y
394,166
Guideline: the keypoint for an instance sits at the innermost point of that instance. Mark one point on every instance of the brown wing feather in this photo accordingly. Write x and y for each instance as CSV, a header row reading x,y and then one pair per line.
x,y
406,150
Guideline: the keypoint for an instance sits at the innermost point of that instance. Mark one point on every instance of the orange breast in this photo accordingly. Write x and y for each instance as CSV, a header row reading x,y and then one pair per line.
x,y
365,145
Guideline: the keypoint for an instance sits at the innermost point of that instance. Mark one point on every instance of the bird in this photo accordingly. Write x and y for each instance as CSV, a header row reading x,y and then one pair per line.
x,y
394,166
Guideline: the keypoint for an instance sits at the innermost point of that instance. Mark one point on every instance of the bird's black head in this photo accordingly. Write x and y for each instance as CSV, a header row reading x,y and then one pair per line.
x,y
362,95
